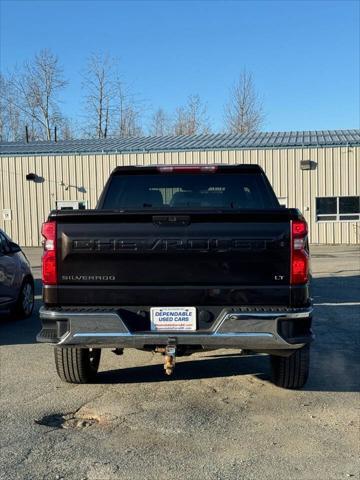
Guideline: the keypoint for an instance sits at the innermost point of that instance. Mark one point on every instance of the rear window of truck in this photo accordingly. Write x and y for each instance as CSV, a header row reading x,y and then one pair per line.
x,y
183,191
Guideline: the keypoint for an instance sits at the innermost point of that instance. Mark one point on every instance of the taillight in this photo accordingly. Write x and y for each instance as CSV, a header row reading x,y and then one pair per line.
x,y
49,267
187,168
299,253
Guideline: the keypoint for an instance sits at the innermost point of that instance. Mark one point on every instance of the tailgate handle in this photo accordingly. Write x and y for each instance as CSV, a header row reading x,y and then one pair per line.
x,y
170,220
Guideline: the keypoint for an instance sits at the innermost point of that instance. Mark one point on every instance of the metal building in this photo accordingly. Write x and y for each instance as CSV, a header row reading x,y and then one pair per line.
x,y
317,172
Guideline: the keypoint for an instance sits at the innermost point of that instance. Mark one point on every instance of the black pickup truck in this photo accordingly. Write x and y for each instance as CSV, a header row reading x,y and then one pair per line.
x,y
178,259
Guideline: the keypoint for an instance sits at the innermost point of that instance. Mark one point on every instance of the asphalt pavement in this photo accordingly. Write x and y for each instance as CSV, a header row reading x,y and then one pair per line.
x,y
218,417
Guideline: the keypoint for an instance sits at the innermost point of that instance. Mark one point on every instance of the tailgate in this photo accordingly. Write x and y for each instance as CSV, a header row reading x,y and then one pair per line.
x,y
179,250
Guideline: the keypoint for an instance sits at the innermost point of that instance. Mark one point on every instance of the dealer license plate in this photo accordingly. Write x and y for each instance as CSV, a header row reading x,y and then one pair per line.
x,y
173,318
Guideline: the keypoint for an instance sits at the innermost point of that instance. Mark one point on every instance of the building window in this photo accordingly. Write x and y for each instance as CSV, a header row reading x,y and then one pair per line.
x,y
335,209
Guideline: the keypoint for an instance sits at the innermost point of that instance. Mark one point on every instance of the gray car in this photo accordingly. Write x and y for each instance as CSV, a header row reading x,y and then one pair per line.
x,y
16,280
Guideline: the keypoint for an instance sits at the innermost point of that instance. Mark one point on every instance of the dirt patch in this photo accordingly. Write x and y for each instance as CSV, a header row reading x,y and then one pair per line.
x,y
76,420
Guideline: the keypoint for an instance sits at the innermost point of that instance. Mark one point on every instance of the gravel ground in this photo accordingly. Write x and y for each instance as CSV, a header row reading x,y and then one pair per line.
x,y
219,417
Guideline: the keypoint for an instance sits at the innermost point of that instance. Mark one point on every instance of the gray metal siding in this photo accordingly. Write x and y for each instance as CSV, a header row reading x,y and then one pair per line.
x,y
337,174
213,141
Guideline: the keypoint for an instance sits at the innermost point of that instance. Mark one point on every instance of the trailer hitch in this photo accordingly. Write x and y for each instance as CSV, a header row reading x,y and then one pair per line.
x,y
170,356
169,352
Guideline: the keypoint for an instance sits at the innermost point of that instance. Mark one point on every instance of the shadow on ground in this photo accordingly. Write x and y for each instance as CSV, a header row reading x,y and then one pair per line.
x,y
334,359
335,353
190,369
329,372
24,330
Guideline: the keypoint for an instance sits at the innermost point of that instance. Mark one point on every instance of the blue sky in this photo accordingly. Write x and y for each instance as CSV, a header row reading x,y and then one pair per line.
x,y
304,55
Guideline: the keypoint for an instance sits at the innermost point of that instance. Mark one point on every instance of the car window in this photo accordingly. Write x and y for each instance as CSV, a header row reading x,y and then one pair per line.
x,y
4,245
187,191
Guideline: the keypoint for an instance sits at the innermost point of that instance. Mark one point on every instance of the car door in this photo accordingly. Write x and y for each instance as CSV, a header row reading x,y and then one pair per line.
x,y
8,272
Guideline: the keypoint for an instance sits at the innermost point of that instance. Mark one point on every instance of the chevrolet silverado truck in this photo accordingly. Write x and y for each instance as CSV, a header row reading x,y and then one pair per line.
x,y
177,260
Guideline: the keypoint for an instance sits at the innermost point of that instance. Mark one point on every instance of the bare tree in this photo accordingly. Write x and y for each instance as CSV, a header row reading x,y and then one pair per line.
x,y
192,118
127,112
10,116
131,124
180,126
43,81
111,110
66,130
160,124
99,85
243,112
33,93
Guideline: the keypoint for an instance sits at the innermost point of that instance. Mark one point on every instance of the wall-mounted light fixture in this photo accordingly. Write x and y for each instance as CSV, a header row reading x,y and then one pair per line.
x,y
67,186
308,165
33,177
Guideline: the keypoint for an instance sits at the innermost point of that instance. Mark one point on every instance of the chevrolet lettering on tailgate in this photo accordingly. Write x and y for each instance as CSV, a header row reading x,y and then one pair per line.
x,y
167,244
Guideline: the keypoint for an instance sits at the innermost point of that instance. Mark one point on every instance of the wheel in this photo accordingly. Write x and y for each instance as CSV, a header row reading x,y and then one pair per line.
x,y
25,303
291,372
77,365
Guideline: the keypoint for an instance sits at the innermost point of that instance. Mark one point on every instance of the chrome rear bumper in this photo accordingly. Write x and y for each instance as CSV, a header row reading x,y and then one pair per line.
x,y
253,330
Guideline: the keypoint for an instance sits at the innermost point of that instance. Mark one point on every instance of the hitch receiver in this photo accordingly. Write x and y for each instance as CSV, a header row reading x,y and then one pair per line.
x,y
170,356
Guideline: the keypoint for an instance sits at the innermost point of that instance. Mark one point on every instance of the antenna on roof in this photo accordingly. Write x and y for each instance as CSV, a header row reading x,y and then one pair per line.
x,y
26,134
55,133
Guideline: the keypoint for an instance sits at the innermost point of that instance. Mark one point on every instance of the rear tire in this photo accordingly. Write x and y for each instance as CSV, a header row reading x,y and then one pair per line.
x,y
291,372
25,303
77,365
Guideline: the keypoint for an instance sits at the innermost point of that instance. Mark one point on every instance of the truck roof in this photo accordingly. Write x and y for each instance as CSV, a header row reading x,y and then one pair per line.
x,y
189,168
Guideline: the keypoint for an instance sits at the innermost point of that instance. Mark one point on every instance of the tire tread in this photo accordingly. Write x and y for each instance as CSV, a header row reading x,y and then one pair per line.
x,y
73,364
291,372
